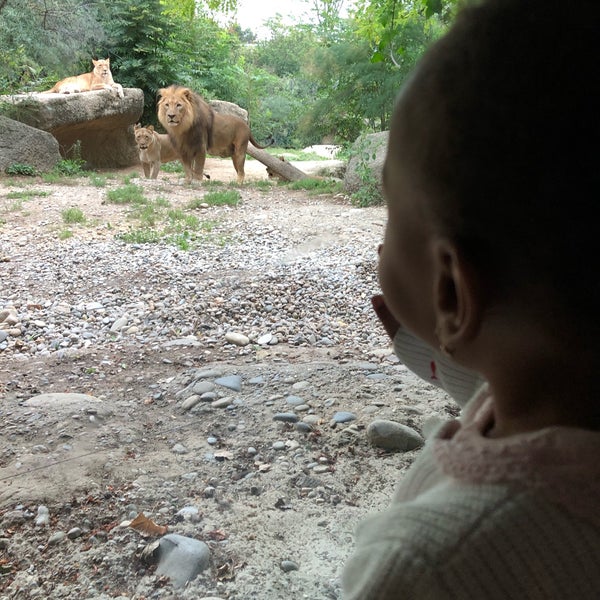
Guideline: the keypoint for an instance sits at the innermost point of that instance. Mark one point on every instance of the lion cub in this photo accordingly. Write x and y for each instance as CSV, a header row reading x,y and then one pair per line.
x,y
154,148
100,78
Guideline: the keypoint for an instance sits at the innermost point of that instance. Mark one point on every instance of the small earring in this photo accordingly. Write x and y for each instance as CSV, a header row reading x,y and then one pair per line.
x,y
444,349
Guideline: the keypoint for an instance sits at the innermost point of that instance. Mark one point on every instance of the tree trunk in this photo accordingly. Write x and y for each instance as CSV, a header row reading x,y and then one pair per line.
x,y
284,169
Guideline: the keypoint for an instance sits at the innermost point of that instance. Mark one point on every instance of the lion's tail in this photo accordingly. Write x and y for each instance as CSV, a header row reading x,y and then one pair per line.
x,y
270,142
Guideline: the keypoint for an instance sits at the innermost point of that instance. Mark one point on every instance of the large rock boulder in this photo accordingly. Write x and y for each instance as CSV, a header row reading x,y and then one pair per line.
x,y
96,126
22,144
229,108
365,166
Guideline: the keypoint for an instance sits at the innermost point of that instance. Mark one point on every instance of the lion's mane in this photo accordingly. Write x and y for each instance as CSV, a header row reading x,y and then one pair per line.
x,y
192,134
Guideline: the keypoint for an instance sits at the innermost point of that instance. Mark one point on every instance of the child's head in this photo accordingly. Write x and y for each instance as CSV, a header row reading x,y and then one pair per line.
x,y
493,151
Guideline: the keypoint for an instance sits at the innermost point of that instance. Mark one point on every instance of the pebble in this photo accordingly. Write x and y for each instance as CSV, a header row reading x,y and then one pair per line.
x,y
56,538
74,533
190,402
288,565
285,417
232,382
239,339
43,516
343,417
394,436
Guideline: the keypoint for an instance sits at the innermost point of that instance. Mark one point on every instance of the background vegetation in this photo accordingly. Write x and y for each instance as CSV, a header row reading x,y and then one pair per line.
x,y
330,79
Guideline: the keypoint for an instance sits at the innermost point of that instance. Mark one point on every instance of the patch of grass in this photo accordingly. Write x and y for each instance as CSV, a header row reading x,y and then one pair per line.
x,y
213,183
16,206
128,178
162,202
263,184
146,214
321,186
73,215
222,198
26,195
208,226
195,203
97,180
181,240
65,234
70,167
21,169
143,235
128,194
172,167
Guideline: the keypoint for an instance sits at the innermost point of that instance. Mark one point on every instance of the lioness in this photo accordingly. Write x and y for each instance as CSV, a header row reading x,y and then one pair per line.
x,y
100,78
196,129
154,148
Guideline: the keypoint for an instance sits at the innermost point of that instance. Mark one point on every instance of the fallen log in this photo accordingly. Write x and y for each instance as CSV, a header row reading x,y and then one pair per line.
x,y
284,169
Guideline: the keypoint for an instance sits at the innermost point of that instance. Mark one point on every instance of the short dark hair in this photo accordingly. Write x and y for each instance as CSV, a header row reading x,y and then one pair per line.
x,y
502,115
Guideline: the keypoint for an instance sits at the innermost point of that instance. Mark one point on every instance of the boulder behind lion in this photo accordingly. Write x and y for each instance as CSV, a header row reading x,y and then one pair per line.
x,y
195,129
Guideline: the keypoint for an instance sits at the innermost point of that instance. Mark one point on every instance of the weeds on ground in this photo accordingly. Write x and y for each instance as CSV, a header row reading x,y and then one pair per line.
x,y
26,195
73,215
21,169
369,193
127,194
97,180
172,167
222,198
159,222
319,186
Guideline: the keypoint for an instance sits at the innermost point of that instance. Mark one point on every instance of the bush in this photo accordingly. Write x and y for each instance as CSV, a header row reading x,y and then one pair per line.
x,y
21,169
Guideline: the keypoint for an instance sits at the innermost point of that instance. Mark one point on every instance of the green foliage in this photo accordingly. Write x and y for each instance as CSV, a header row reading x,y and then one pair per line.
x,y
172,167
26,195
139,39
128,194
369,192
318,186
222,198
70,167
143,235
388,26
44,41
73,215
65,234
21,169
97,180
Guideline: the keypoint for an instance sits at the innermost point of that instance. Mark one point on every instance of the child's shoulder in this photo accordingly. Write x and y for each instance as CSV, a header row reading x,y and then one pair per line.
x,y
458,532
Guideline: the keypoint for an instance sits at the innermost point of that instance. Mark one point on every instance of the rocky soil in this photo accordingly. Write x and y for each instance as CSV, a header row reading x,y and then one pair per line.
x,y
238,393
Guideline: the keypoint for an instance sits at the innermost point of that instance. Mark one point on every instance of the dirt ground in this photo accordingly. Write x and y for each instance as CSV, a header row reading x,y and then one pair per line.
x,y
102,434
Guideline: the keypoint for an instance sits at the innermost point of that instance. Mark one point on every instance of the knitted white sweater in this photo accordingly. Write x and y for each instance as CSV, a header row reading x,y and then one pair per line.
x,y
475,518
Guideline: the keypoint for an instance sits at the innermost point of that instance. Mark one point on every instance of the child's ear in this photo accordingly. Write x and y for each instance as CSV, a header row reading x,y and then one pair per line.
x,y
457,300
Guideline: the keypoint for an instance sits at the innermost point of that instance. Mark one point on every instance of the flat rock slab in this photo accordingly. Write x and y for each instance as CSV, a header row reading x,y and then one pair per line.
x,y
55,399
96,126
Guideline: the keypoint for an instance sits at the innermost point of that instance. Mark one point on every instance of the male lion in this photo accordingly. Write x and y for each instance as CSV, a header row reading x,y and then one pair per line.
x,y
100,78
154,148
196,129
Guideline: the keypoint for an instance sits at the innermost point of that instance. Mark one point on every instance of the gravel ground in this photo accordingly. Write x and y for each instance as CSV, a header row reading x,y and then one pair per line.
x,y
230,392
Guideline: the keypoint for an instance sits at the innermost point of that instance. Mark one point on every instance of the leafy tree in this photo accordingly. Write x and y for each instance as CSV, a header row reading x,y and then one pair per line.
x,y
382,23
45,40
287,49
139,36
354,93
